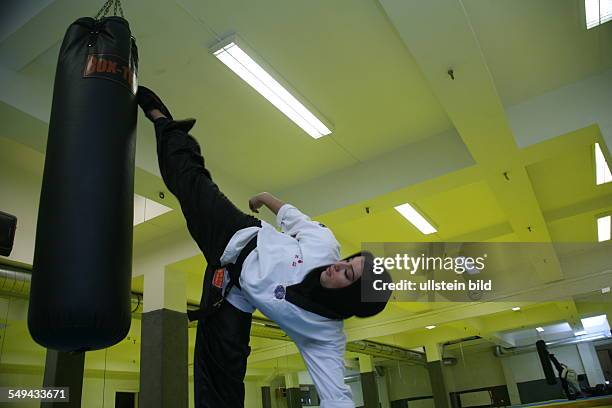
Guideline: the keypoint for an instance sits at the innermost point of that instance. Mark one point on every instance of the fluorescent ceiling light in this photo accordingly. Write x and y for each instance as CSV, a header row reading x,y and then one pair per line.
x,y
540,329
602,170
604,227
430,327
597,12
516,309
145,209
416,219
235,58
605,290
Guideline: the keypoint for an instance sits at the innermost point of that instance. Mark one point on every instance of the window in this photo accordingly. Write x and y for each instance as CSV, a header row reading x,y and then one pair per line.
x,y
602,170
597,12
145,209
604,228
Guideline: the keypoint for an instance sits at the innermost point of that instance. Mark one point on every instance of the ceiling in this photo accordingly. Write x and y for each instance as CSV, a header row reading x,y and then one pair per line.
x,y
403,130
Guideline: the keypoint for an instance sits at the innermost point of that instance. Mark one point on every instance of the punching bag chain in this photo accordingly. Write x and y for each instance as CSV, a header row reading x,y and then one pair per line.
x,y
103,12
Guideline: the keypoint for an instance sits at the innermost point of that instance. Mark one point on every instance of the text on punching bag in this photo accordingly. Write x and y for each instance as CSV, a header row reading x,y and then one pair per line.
x,y
107,66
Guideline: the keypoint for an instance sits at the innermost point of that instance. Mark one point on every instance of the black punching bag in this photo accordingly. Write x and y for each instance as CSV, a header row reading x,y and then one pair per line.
x,y
80,290
545,361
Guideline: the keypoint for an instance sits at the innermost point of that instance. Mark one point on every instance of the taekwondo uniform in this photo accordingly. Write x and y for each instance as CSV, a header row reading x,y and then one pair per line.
x,y
279,276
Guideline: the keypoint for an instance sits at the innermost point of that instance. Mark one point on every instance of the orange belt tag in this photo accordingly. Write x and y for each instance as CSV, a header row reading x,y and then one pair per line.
x,y
218,278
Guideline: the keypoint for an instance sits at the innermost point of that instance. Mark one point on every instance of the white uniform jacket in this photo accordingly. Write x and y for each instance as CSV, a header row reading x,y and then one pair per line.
x,y
282,259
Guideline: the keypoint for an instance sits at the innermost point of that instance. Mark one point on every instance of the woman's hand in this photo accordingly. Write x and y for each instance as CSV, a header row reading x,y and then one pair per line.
x,y
256,202
267,199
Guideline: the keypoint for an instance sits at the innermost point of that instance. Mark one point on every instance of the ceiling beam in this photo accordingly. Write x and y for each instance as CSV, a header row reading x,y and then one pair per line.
x,y
412,164
569,309
561,145
412,191
26,43
19,92
601,203
17,13
469,96
563,110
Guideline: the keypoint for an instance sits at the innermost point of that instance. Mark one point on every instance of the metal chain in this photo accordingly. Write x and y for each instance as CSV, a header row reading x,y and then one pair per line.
x,y
120,8
103,12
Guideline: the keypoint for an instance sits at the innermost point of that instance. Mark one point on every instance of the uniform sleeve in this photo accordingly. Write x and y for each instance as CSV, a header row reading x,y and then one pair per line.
x,y
293,222
325,362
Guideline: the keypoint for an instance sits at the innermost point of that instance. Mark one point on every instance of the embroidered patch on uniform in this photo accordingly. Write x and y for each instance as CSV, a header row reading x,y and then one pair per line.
x,y
279,292
218,278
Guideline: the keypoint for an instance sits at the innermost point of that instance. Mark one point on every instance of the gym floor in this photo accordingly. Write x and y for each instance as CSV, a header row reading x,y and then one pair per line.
x,y
604,401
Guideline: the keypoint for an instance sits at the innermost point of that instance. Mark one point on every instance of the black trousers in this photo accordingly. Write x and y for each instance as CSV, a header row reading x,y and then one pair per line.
x,y
222,339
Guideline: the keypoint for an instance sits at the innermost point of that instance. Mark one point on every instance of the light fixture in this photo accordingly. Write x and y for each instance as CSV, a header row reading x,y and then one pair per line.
x,y
516,309
232,52
597,12
604,227
580,333
416,219
540,329
430,327
602,170
605,290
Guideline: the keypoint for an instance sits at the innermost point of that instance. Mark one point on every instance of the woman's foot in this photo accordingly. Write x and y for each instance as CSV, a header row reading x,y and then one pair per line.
x,y
151,104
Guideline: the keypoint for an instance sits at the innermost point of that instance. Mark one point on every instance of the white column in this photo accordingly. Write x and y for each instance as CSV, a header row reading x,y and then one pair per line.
x,y
513,392
590,361
165,289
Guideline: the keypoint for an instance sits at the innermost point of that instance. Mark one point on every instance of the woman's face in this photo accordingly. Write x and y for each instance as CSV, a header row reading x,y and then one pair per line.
x,y
342,273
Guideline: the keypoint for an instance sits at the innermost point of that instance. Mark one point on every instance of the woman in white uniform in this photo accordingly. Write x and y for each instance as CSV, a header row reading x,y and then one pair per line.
x,y
293,276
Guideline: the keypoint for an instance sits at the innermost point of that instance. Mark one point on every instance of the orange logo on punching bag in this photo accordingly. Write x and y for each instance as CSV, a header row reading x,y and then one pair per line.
x,y
112,67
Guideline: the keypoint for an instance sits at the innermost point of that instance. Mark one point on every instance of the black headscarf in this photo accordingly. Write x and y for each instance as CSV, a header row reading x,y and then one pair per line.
x,y
357,299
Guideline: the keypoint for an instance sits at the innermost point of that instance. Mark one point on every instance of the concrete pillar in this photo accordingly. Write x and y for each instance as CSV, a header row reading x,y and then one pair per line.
x,y
513,392
292,385
369,387
64,370
433,352
591,365
163,352
439,390
266,397
383,388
